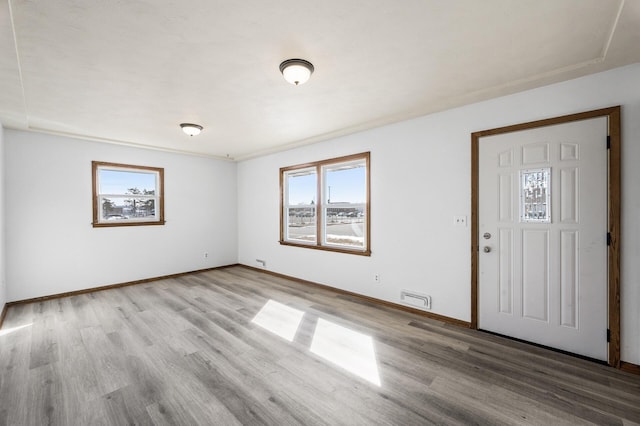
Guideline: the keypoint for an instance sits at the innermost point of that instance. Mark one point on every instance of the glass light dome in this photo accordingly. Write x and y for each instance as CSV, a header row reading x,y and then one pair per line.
x,y
296,71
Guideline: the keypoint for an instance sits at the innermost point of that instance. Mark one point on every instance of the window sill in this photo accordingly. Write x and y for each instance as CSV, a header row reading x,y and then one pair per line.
x,y
326,248
132,223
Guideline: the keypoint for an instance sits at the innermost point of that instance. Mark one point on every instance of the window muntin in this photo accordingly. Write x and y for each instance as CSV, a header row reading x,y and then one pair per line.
x,y
340,221
125,195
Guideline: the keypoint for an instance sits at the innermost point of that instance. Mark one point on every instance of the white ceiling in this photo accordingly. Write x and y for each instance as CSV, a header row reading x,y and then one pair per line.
x,y
129,71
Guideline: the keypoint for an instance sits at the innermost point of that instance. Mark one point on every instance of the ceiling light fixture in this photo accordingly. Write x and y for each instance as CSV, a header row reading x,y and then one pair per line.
x,y
296,71
191,129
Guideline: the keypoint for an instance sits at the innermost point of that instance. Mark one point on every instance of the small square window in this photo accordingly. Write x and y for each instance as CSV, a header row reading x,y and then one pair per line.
x,y
126,195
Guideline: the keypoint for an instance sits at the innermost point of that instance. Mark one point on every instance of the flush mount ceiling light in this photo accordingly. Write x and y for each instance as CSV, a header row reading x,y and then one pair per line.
x,y
191,129
296,71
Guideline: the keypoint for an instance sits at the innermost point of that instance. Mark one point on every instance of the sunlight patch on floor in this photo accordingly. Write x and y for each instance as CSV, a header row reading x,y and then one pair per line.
x,y
346,348
6,331
279,319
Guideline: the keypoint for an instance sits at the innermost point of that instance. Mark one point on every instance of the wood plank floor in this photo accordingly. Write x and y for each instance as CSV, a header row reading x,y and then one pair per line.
x,y
235,346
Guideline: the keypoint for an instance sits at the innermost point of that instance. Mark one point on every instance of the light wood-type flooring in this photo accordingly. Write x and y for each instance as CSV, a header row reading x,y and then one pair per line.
x,y
236,346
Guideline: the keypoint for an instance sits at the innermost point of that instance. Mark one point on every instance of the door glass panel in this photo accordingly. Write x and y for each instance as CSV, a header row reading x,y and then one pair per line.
x,y
535,195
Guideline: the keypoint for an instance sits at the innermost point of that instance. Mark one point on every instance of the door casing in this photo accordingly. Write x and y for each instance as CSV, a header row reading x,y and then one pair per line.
x,y
613,220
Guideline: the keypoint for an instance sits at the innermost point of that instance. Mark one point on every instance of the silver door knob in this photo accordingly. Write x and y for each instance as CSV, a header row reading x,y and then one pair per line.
x,y
486,249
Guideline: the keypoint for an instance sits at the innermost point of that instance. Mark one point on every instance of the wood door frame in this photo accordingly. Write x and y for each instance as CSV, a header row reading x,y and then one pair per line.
x,y
613,219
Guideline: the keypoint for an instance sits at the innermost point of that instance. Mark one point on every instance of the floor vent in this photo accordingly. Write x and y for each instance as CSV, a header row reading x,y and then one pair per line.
x,y
416,300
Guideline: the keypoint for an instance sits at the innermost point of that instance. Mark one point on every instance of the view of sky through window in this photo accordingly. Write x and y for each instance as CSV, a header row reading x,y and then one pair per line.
x,y
302,189
120,181
347,186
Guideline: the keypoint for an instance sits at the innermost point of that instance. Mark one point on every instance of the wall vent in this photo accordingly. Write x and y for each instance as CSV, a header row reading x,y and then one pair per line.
x,y
417,300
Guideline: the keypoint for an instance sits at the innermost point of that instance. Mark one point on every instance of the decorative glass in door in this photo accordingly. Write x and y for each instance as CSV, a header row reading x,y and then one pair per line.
x,y
535,195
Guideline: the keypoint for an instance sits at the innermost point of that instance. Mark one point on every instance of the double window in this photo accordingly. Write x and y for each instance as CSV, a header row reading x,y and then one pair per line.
x,y
325,205
125,195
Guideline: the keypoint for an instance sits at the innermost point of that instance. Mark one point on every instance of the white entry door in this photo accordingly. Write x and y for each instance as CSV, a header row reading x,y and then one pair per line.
x,y
542,236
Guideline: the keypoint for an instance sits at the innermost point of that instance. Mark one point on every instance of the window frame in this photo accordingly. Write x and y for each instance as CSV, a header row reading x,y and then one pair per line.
x,y
321,205
98,222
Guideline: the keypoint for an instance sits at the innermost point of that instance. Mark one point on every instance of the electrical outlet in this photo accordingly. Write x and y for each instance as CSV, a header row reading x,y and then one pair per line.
x,y
376,278
460,221
261,263
206,254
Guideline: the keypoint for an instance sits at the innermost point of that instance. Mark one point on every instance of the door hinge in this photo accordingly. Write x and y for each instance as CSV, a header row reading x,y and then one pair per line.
x,y
608,142
608,238
608,335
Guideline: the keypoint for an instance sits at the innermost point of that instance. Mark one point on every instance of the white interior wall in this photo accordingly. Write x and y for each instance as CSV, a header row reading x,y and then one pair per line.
x,y
52,247
3,275
420,180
